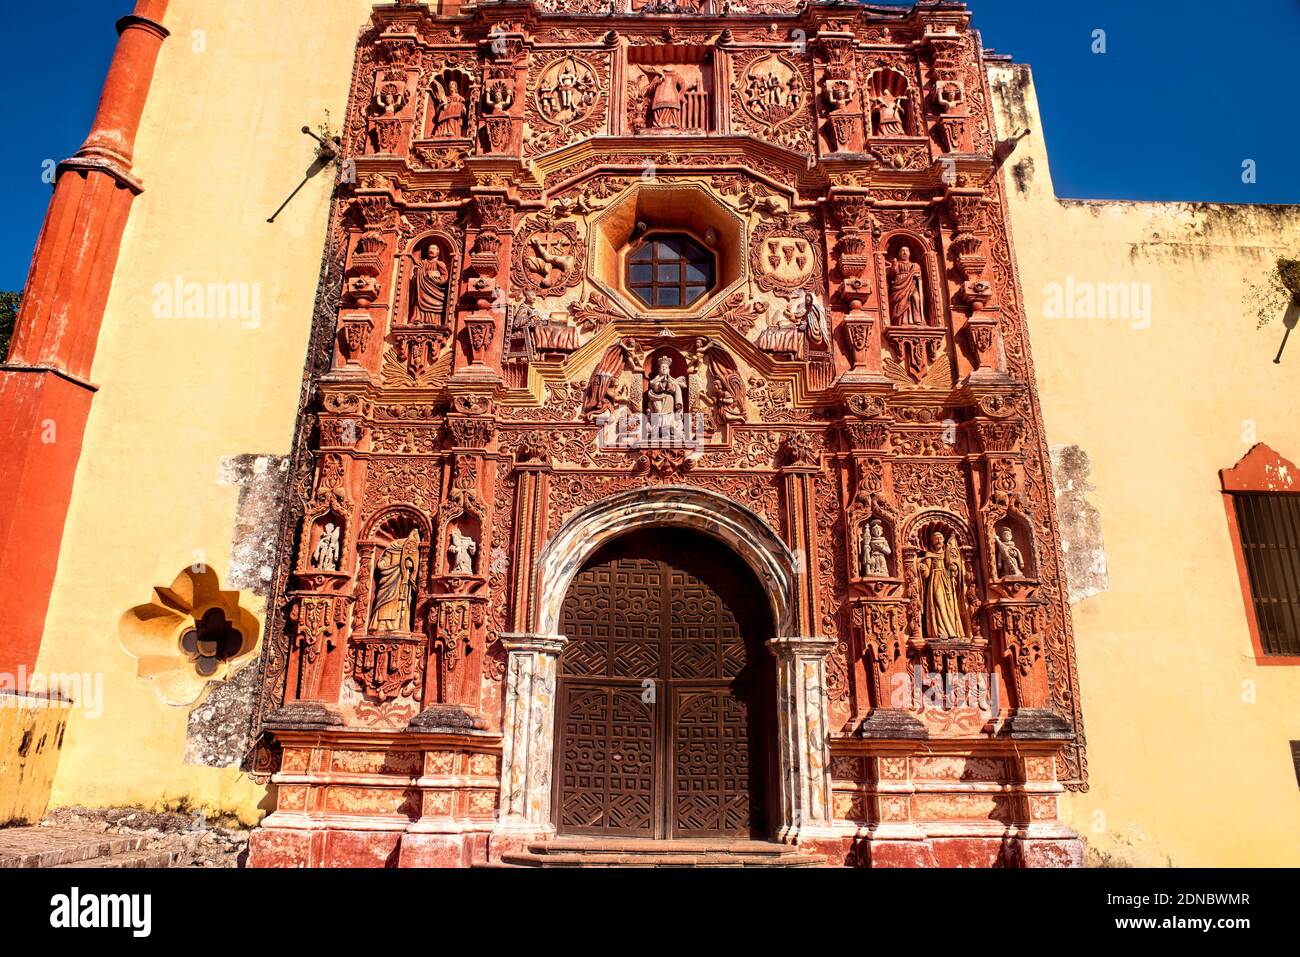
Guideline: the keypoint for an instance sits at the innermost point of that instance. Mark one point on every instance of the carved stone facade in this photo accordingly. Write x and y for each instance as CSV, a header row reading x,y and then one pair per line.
x,y
848,405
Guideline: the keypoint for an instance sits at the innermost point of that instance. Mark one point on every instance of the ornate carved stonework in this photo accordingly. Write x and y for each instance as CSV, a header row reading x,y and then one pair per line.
x,y
848,408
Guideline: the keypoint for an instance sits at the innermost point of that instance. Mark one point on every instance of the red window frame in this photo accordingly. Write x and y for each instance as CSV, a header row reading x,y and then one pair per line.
x,y
1260,472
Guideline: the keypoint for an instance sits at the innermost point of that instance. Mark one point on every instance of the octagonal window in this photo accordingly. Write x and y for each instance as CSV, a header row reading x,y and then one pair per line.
x,y
670,272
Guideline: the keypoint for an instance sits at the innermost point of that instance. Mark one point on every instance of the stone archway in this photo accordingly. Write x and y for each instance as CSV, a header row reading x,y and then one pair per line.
x,y
802,770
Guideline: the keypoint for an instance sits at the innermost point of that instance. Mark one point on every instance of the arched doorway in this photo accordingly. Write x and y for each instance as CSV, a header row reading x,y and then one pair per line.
x,y
665,701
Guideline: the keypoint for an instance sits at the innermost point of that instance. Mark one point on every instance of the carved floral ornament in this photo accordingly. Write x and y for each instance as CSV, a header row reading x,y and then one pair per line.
x,y
189,636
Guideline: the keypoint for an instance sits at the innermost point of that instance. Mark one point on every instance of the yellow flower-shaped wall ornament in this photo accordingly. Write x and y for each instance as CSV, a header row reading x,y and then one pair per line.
x,y
190,636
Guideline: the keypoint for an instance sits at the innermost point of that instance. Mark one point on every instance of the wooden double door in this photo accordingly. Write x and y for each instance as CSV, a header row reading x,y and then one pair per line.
x,y
666,695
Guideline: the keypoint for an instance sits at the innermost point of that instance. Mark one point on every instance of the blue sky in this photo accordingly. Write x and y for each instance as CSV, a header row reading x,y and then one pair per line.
x,y
1182,96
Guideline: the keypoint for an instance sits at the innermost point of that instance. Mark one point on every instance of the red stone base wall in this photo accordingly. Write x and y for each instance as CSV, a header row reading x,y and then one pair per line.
x,y
390,799
381,799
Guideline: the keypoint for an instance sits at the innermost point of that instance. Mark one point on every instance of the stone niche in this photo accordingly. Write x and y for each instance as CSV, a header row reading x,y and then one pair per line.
x,y
671,89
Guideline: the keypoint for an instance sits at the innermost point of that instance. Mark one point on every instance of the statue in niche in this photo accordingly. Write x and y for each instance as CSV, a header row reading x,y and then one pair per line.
x,y
839,95
942,579
397,566
665,94
1010,561
875,550
889,114
431,281
328,549
450,109
664,404
462,551
906,290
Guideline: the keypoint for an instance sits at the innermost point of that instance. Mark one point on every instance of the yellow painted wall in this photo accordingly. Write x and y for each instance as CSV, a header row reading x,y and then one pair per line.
x,y
31,732
220,148
1185,767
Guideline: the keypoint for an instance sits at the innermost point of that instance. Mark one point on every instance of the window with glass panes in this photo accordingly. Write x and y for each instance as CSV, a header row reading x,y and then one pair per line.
x,y
670,272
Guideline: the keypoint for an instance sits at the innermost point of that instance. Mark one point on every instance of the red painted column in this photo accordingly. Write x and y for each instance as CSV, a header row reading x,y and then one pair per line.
x,y
45,395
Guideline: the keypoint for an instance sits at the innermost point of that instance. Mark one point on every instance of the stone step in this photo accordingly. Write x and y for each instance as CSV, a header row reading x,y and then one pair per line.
x,y
60,847
137,860
643,853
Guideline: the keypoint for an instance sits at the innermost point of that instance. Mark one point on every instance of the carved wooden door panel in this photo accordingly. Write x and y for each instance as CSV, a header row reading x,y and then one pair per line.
x,y
657,703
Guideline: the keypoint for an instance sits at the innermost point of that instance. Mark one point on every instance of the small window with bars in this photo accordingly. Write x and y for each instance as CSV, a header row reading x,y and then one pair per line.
x,y
1269,527
670,272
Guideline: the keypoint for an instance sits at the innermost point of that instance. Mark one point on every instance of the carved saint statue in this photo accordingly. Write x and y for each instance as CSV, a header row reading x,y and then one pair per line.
x,y
1011,563
526,315
663,403
462,551
906,294
449,110
665,96
431,279
397,567
875,551
327,551
942,579
809,314
889,114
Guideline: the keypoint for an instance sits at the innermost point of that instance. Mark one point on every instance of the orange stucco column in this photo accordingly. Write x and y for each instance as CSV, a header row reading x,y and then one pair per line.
x,y
45,394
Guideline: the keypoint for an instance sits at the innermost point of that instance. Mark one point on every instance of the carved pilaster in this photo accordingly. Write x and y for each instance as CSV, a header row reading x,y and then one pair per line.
x,y
805,784
528,733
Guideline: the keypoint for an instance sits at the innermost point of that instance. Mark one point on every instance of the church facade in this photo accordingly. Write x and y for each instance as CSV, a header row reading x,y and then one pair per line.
x,y
668,465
